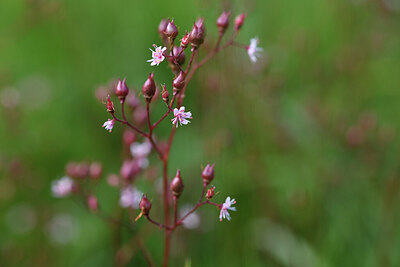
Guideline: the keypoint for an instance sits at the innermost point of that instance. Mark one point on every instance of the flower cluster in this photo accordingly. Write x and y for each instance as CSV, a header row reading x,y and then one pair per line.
x,y
140,140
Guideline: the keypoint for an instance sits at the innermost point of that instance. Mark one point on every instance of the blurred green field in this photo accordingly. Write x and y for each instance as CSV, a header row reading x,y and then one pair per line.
x,y
306,140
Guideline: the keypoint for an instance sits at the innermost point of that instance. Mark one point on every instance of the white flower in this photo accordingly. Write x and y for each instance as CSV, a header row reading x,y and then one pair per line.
x,y
157,55
130,197
181,116
225,207
108,125
62,187
254,51
140,150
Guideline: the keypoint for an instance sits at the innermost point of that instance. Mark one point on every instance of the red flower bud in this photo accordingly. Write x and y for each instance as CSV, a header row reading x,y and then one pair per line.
x,y
210,193
179,82
185,41
121,90
196,36
239,20
208,173
92,203
110,105
145,205
95,170
223,21
171,30
177,51
165,94
149,88
177,184
162,27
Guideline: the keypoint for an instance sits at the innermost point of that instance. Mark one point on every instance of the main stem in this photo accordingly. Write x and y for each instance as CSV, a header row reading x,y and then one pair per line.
x,y
166,211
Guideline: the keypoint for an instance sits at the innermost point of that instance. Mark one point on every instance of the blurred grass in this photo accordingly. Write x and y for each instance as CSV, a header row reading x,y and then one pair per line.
x,y
306,141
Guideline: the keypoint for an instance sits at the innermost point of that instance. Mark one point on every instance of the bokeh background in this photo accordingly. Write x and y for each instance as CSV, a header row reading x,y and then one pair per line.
x,y
306,140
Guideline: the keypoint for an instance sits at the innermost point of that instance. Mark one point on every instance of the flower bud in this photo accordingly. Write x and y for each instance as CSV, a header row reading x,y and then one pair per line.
x,y
210,193
171,30
239,20
162,27
223,21
179,59
177,184
208,173
145,205
165,94
110,105
185,41
95,170
82,170
179,82
71,169
92,203
149,88
196,36
121,90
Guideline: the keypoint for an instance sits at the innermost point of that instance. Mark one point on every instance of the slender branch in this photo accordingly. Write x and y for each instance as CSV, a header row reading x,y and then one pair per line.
x,y
175,209
166,113
148,118
160,225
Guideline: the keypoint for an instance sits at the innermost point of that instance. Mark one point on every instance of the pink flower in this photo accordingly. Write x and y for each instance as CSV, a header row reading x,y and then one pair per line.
x,y
225,207
62,187
253,51
181,116
157,55
130,197
108,125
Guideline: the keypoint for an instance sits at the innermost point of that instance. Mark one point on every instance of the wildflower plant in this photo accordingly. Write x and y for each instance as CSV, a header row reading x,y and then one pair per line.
x,y
139,136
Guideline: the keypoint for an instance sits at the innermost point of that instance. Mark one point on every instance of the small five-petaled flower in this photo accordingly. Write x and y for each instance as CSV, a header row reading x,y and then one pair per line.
x,y
224,214
157,55
181,116
253,51
108,125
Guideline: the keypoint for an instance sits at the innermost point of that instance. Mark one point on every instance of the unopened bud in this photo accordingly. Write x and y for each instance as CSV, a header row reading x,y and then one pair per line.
x,y
145,205
95,170
196,36
121,90
93,203
177,184
239,20
178,54
171,30
208,173
223,21
165,94
71,170
162,27
185,41
149,88
110,105
210,193
82,170
179,82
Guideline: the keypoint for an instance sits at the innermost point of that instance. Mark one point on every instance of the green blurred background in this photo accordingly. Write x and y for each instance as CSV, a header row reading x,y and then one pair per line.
x,y
306,140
